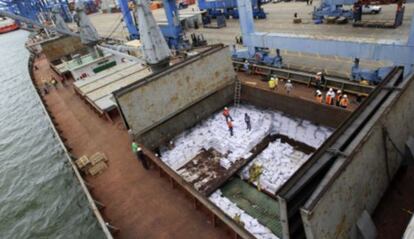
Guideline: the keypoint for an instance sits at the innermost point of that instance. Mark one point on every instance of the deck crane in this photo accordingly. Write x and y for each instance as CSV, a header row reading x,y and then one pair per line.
x,y
172,31
58,19
88,34
155,48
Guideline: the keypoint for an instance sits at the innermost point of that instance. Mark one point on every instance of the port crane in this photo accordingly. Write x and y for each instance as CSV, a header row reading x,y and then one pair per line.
x,y
228,8
33,9
335,8
399,53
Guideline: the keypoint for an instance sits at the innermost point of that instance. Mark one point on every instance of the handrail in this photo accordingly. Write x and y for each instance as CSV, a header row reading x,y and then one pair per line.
x,y
307,78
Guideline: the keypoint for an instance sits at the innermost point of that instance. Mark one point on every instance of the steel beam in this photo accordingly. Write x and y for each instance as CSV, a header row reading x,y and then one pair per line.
x,y
399,54
128,19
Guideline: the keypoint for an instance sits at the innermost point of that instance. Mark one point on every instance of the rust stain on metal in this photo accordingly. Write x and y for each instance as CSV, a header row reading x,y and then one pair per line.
x,y
176,90
340,228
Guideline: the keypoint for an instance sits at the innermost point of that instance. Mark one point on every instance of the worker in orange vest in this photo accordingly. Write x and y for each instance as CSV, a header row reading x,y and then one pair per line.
x,y
330,96
338,97
230,125
226,114
319,97
344,102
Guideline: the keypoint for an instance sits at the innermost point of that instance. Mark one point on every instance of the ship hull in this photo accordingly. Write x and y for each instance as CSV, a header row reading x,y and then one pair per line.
x,y
9,28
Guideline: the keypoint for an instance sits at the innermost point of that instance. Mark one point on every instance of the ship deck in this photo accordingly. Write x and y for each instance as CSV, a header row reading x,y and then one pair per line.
x,y
138,202
141,203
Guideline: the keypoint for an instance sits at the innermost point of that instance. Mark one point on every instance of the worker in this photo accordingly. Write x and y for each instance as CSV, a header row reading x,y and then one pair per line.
x,y
344,102
226,114
46,86
318,79
246,66
364,82
288,86
230,125
247,120
330,96
54,82
323,80
273,82
319,97
139,154
338,97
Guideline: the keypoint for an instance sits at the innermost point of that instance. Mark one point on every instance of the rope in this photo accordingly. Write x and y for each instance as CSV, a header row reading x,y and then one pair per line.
x,y
116,27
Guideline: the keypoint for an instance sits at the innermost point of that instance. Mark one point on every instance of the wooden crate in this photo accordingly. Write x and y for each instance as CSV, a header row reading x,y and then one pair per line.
x,y
97,168
82,162
97,157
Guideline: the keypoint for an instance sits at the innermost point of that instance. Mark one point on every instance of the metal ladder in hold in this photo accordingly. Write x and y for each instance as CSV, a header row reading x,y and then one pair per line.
x,y
237,92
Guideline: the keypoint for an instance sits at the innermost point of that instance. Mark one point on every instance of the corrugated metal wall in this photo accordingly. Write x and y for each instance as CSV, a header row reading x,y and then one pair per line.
x,y
164,95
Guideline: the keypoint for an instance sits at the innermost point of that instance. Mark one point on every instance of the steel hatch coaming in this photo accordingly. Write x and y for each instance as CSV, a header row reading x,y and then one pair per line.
x,y
361,176
177,97
302,184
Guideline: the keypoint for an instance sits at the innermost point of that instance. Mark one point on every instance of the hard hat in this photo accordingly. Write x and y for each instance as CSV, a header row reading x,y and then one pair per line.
x,y
319,93
339,91
139,149
345,96
225,108
289,81
319,73
330,89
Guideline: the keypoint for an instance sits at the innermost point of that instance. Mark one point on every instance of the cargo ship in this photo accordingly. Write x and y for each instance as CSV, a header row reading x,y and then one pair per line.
x,y
7,25
275,180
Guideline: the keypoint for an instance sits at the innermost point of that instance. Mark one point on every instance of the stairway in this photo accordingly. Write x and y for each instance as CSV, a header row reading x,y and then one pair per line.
x,y
237,92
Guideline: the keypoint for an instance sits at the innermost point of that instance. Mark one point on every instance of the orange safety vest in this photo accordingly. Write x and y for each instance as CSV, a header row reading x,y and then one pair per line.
x,y
226,112
319,98
344,102
338,97
328,99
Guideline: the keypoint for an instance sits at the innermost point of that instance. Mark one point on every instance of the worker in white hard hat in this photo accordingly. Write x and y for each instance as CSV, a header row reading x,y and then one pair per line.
x,y
288,86
330,96
319,97
226,114
344,102
318,80
246,66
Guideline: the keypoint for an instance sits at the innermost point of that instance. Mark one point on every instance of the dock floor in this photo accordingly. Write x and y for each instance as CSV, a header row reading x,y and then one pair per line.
x,y
138,202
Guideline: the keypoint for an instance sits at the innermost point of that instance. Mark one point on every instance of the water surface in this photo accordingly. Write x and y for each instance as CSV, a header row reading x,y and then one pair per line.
x,y
39,194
